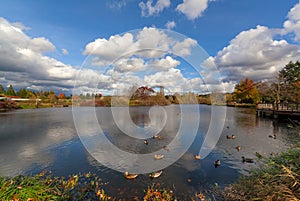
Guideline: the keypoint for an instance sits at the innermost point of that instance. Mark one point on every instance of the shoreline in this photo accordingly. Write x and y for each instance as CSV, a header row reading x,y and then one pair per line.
x,y
28,106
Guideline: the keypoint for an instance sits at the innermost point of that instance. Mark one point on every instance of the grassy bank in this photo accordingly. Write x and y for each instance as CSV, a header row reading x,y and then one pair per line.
x,y
41,187
76,187
278,179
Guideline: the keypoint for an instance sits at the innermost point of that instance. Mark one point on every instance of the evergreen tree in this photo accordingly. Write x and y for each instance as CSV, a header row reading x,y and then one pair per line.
x,y
2,90
289,82
22,93
10,91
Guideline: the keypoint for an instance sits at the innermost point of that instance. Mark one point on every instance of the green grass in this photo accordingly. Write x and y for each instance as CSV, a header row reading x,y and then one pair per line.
x,y
41,187
26,106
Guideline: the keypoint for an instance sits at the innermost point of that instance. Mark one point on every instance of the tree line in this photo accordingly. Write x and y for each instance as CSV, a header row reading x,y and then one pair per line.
x,y
285,87
30,94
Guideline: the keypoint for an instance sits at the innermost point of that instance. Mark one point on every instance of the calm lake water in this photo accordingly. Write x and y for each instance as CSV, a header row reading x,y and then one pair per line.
x,y
46,139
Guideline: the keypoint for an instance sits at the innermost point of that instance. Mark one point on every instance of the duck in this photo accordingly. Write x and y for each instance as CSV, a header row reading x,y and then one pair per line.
x,y
230,136
158,156
247,160
146,142
217,163
238,148
157,137
272,136
197,156
130,176
155,174
166,148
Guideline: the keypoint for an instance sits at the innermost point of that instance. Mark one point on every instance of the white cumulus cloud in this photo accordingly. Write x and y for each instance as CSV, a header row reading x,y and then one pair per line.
x,y
148,9
293,22
116,4
170,24
254,54
192,8
23,63
165,63
64,51
184,48
148,42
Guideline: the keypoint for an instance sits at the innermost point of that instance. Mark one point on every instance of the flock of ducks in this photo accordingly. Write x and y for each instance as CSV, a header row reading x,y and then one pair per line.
x,y
156,157
238,148
217,163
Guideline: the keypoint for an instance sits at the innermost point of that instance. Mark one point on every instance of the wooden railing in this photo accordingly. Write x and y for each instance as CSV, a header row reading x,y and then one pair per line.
x,y
293,107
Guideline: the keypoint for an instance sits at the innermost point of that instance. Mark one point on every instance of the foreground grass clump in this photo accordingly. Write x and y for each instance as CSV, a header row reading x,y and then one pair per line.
x,y
278,179
30,188
153,194
40,187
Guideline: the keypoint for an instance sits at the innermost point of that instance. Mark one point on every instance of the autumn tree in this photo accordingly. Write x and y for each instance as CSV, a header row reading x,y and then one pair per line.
x,y
52,96
143,92
246,92
61,96
31,94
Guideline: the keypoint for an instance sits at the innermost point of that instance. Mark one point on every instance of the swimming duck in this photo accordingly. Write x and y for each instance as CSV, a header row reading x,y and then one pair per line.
x,y
197,156
155,174
158,156
272,136
217,163
157,137
130,176
146,142
230,136
247,160
166,148
238,148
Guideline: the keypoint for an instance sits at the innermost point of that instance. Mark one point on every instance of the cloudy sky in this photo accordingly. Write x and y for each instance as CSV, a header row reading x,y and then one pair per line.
x,y
108,45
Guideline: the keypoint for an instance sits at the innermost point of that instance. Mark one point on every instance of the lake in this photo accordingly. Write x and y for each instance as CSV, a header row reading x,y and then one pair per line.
x,y
46,139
